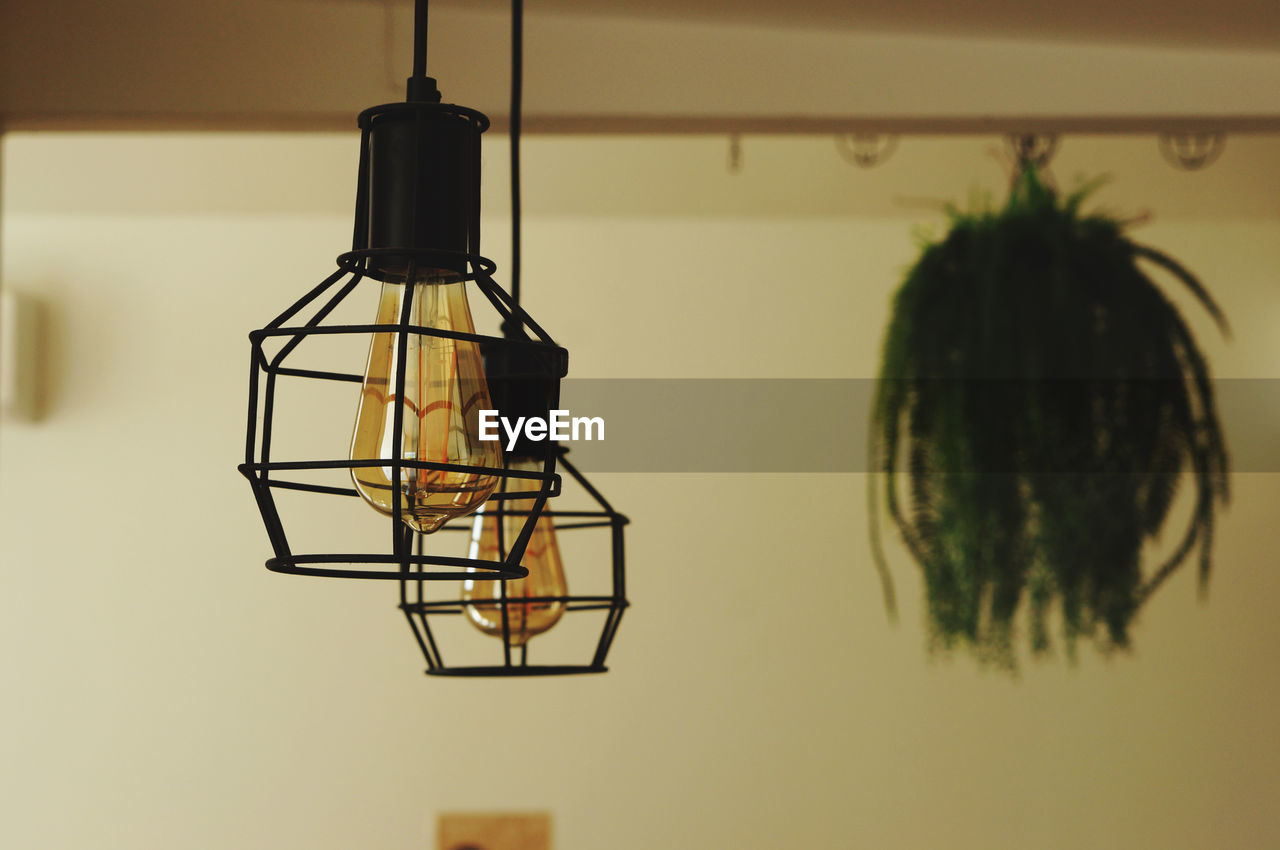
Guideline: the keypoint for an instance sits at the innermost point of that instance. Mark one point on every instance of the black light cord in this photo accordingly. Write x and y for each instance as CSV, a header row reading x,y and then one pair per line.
x,y
420,38
517,86
421,88
517,92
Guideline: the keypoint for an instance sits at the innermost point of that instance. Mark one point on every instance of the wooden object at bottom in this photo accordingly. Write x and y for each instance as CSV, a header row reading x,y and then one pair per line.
x,y
493,831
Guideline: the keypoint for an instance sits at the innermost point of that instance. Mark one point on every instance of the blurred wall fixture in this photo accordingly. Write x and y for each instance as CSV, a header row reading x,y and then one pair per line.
x,y
415,455
866,149
22,342
1192,151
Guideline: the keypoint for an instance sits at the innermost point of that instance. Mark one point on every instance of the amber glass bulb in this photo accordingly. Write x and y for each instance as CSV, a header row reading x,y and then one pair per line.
x,y
526,617
444,392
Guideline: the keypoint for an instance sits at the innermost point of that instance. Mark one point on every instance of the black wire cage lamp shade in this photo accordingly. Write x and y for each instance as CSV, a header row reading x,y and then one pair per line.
x,y
416,454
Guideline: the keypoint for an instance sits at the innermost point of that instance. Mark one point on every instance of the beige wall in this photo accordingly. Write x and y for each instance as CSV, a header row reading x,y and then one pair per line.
x,y
162,690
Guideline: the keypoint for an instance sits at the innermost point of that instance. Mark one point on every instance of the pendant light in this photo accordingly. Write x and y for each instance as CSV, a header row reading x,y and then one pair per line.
x,y
517,611
415,456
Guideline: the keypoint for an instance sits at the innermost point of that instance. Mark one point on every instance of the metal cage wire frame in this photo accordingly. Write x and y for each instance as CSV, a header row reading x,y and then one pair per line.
x,y
264,372
419,607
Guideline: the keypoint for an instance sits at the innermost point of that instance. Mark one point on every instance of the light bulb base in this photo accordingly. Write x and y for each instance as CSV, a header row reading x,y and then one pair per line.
x,y
422,90
422,173
524,382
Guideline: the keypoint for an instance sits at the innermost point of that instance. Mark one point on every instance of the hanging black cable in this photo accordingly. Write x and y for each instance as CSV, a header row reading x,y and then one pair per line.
x,y
421,88
420,38
517,97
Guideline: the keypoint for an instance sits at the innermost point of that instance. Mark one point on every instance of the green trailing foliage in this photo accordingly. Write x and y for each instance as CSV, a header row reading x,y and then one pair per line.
x,y
1043,399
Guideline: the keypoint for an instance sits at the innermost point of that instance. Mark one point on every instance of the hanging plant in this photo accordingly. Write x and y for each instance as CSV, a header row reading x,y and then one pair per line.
x,y
1043,399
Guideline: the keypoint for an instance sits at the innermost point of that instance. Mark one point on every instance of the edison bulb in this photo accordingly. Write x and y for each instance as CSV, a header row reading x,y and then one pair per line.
x,y
444,392
526,615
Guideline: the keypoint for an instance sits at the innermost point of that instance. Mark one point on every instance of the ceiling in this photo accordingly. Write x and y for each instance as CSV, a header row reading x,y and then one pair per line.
x,y
1183,23
653,66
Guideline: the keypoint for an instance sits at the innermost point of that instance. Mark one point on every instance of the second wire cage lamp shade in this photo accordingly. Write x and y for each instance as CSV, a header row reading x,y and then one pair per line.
x,y
415,455
586,534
